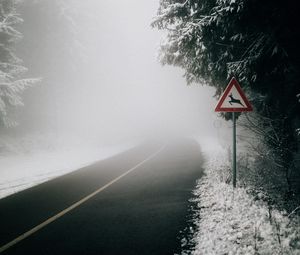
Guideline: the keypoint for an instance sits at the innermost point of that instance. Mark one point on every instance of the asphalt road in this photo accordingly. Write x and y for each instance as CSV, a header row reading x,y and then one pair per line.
x,y
141,212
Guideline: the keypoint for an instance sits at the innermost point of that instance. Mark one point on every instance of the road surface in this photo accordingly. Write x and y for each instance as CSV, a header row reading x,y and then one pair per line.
x,y
133,203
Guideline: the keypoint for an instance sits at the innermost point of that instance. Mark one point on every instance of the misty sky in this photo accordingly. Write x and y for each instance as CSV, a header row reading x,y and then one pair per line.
x,y
135,89
123,89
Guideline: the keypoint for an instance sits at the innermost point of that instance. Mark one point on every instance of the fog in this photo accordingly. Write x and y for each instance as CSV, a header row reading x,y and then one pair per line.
x,y
111,86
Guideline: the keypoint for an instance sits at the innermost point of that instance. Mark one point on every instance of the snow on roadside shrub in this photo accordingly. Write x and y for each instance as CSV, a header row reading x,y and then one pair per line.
x,y
232,221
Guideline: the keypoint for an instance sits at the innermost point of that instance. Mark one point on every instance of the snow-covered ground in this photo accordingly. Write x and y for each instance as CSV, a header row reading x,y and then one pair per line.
x,y
232,221
32,160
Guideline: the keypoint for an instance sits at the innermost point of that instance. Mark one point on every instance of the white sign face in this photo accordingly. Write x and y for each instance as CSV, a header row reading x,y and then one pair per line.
x,y
233,99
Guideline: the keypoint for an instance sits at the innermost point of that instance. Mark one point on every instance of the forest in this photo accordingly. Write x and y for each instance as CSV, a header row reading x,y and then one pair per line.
x,y
80,83
210,40
257,42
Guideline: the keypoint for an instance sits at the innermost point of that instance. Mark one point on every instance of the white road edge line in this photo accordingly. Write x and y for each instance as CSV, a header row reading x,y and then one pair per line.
x,y
70,208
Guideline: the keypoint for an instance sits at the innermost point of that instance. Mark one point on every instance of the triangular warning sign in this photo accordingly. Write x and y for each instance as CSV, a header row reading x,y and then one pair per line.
x,y
233,99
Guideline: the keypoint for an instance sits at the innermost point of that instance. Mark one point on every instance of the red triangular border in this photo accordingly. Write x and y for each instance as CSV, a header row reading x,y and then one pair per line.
x,y
233,82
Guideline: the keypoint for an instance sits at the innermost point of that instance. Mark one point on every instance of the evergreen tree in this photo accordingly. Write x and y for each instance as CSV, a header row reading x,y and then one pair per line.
x,y
257,41
11,68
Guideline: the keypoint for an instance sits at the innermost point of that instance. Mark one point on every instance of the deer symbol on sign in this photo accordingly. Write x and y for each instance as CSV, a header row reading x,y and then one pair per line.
x,y
234,100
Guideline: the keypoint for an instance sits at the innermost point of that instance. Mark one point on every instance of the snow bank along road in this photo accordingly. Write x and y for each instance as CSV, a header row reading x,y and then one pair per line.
x,y
133,203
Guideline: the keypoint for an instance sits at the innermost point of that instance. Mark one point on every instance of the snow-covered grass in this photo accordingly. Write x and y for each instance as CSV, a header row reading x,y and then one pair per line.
x,y
232,221
31,160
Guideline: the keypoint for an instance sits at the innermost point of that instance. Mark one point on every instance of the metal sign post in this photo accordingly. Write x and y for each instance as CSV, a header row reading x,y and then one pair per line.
x,y
234,150
233,100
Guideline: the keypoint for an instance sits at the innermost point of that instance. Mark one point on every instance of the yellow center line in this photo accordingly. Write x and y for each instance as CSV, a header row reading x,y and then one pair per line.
x,y
70,208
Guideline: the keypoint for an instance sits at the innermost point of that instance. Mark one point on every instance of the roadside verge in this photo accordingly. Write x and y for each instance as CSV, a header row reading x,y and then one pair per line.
x,y
232,221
